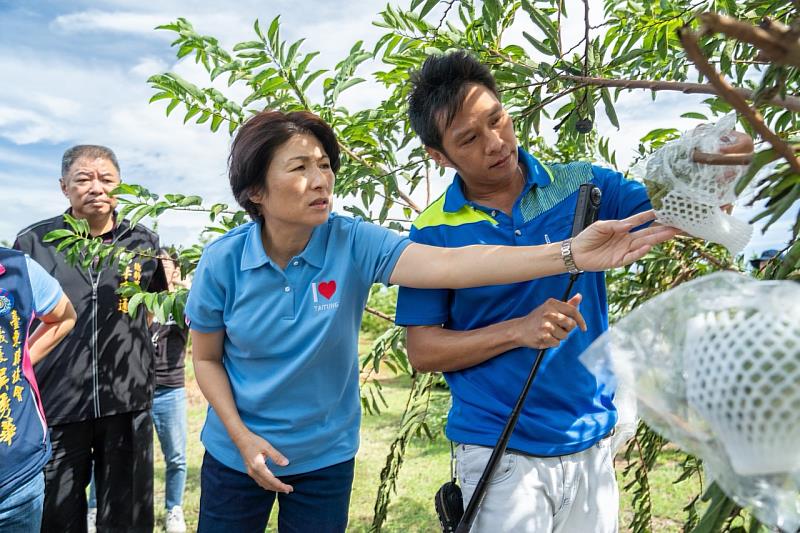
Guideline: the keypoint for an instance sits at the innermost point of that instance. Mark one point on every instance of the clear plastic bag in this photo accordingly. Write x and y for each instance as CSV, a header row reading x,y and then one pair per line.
x,y
715,367
688,195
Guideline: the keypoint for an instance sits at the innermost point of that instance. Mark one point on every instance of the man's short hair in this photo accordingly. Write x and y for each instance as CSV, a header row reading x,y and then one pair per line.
x,y
438,90
91,151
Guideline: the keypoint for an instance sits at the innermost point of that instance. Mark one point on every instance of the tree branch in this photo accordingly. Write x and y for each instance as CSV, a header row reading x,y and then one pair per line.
x,y
549,100
722,159
790,102
726,91
379,314
586,37
560,7
361,160
444,16
778,43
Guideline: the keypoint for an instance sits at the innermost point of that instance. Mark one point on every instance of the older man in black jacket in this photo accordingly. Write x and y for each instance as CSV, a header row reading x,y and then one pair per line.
x,y
97,385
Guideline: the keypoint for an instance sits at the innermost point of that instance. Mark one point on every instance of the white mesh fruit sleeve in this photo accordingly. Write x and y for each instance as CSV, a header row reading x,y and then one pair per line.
x,y
715,367
688,195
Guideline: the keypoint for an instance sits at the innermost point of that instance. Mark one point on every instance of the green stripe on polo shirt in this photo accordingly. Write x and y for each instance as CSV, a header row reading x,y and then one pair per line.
x,y
435,215
565,180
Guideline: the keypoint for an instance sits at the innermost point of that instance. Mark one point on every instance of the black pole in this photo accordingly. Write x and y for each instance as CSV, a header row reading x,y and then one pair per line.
x,y
471,512
585,213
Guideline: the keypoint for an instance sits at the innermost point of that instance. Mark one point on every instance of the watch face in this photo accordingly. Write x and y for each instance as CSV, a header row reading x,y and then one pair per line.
x,y
6,302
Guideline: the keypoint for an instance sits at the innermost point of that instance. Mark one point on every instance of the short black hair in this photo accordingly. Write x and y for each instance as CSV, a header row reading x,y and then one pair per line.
x,y
92,151
438,90
256,142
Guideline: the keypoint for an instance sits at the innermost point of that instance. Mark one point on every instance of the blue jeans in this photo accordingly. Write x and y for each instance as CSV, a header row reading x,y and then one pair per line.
x,y
21,511
169,420
232,501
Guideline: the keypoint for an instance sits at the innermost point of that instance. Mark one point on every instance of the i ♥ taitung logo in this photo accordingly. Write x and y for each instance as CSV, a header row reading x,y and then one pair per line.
x,y
326,289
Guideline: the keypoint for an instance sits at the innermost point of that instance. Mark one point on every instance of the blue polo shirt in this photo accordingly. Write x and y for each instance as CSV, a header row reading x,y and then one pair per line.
x,y
567,410
291,336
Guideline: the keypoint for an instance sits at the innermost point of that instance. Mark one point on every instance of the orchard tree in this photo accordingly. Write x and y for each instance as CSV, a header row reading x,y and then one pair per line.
x,y
743,55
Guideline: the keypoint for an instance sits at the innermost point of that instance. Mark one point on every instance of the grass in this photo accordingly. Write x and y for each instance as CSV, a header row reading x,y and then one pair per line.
x,y
425,468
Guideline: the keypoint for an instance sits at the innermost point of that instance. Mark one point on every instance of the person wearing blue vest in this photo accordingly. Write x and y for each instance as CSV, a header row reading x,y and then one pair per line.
x,y
27,292
274,313
558,472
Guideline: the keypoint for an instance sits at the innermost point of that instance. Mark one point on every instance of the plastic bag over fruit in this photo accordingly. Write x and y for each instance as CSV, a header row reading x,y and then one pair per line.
x,y
715,367
688,195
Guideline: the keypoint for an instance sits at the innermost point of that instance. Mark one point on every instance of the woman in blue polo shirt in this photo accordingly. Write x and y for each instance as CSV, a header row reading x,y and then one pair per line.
x,y
26,292
275,309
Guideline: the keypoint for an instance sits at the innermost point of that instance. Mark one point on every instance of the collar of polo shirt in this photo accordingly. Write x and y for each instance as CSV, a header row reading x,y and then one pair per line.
x,y
255,256
536,174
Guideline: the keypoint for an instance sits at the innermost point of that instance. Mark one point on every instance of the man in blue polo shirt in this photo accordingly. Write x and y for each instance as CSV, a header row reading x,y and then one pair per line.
x,y
558,474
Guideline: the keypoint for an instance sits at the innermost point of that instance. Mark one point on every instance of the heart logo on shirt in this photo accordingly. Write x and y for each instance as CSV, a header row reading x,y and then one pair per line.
x,y
327,289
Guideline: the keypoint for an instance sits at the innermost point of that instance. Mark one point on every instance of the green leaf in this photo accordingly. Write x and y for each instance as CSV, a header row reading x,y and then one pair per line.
x,y
249,45
609,107
349,83
759,160
692,114
215,122
542,22
293,52
190,200
172,105
192,112
141,213
429,4
311,77
160,96
57,234
303,65
272,32
134,302
540,46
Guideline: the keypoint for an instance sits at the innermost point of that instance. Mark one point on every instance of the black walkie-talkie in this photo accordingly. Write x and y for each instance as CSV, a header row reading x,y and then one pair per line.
x,y
586,211
587,207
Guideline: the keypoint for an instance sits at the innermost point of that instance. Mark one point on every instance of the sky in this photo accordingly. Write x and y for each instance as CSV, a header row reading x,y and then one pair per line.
x,y
74,72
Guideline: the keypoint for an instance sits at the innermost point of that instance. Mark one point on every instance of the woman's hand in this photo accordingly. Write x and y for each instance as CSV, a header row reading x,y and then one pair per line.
x,y
254,451
610,243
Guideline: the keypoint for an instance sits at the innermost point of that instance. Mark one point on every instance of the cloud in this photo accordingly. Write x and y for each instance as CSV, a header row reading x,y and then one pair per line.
x,y
94,20
147,66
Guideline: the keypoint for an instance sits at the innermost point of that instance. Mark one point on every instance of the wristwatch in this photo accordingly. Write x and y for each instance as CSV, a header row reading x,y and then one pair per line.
x,y
566,255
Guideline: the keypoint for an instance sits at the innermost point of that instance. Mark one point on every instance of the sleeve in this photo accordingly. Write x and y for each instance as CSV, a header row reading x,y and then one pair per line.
x,y
375,250
422,307
22,243
158,282
206,302
621,197
46,289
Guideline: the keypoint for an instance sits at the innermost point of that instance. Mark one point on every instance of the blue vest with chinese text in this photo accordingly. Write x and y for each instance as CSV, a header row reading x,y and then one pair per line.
x,y
24,442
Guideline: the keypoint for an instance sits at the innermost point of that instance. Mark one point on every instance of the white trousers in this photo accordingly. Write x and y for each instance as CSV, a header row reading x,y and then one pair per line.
x,y
569,494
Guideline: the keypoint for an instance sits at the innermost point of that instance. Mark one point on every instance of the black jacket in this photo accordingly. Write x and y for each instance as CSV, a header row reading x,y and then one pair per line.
x,y
105,365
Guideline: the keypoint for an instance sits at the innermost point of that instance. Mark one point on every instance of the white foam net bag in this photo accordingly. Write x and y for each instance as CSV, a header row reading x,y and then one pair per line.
x,y
688,195
715,367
